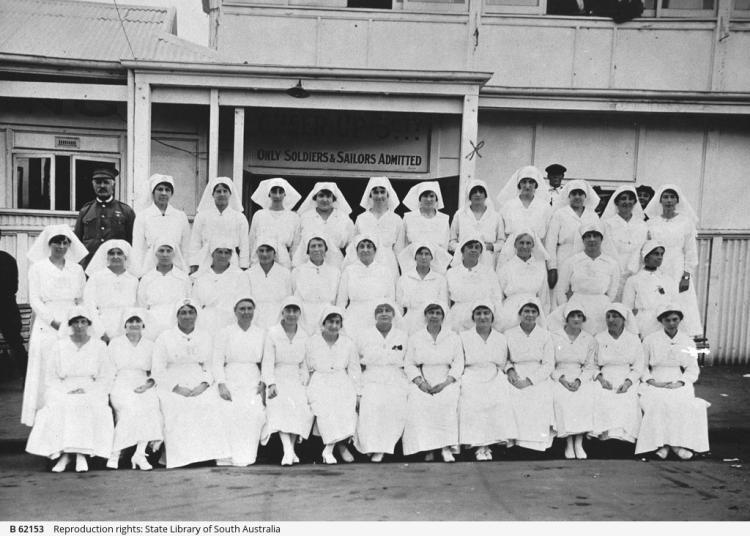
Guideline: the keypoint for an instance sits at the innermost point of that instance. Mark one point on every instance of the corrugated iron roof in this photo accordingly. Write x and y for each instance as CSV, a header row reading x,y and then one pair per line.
x,y
93,31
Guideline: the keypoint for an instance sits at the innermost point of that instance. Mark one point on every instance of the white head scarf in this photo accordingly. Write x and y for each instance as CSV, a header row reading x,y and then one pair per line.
x,y
479,303
140,312
589,227
592,198
351,250
473,183
40,249
458,255
339,202
440,257
541,320
510,190
330,310
411,201
383,182
293,300
177,261
611,208
654,210
99,260
144,191
76,311
509,247
397,316
222,242
333,254
264,240
627,314
207,199
650,246
668,308
260,195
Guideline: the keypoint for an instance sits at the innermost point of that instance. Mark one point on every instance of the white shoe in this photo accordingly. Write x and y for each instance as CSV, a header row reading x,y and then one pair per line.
x,y
113,463
662,453
487,454
287,460
684,454
377,457
482,455
447,455
570,453
295,459
81,465
140,462
62,463
345,454
429,457
224,462
329,459
580,453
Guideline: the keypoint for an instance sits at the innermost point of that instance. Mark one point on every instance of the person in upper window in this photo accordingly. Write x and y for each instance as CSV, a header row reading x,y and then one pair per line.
x,y
555,176
566,7
276,219
645,195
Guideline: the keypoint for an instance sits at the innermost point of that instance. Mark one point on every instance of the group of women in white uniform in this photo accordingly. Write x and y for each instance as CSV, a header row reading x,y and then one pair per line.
x,y
369,332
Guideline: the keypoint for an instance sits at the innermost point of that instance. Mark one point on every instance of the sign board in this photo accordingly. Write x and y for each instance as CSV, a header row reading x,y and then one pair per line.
x,y
338,140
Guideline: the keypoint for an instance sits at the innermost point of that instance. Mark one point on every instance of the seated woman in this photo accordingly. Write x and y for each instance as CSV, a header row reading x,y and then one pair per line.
x,y
619,365
478,217
425,221
673,418
138,420
111,287
285,372
483,416
379,219
276,218
382,407
270,282
530,362
434,365
326,211
315,280
422,281
238,351
334,367
573,390
76,418
194,415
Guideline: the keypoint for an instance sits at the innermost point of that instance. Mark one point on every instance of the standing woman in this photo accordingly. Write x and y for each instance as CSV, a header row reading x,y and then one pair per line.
x,y
625,232
194,415
522,205
56,283
238,351
219,216
434,365
531,360
422,281
478,217
672,221
673,418
111,287
325,210
315,280
573,390
157,220
619,366
483,416
138,420
380,220
575,207
276,219
76,418
163,284
424,221
285,372
270,282
334,367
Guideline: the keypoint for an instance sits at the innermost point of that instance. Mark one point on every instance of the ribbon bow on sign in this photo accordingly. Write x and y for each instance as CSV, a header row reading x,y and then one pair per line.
x,y
475,149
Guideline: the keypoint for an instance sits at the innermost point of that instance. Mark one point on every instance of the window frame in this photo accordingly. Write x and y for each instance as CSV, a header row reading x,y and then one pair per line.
x,y
540,9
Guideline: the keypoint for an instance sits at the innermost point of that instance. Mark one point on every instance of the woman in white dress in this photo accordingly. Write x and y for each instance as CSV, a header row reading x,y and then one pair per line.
x,y
315,280
155,220
219,216
238,351
672,221
625,232
138,420
382,407
194,415
575,207
365,282
478,217
523,205
434,365
111,287
76,418
483,416
531,360
216,285
56,283
326,211
163,284
276,219
379,219
285,372
425,222
270,282
619,366
673,418
573,388
522,273
469,281
422,281
334,368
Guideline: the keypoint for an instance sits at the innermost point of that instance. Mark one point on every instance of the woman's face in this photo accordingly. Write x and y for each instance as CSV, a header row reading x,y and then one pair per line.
x,y
277,194
79,325
654,258
670,321
384,314
592,242
366,252
324,199
477,197
116,258
290,314
472,250
625,202
221,257
575,319
577,198
162,193
332,324
221,195
529,314
244,311
527,186
265,254
164,255
434,317
669,199
524,246
316,249
615,321
428,200
423,257
482,317
59,245
379,194
643,198
186,317
134,326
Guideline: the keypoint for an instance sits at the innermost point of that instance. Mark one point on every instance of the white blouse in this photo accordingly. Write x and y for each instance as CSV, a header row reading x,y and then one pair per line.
x,y
574,359
563,239
382,357
220,290
182,359
281,225
488,226
434,359
469,285
338,227
316,284
670,360
341,356
213,227
388,228
71,367
273,286
235,345
519,277
156,288
679,239
585,275
414,293
624,240
434,230
624,353
151,226
478,352
360,283
51,288
281,353
516,218
107,290
532,355
130,360
648,290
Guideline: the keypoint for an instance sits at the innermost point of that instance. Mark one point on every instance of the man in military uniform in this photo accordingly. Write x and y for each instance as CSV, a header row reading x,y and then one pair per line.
x,y
555,175
104,218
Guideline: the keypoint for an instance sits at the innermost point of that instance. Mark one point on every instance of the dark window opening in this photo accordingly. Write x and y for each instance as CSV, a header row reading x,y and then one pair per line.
x,y
370,4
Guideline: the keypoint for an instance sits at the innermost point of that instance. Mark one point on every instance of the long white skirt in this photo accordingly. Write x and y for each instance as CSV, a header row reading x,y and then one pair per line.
x,y
574,411
382,410
289,411
137,415
80,423
245,414
431,420
333,399
616,416
673,417
534,412
485,415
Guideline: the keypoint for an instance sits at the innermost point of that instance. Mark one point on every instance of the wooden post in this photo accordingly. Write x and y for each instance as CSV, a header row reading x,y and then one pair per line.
x,y
238,156
130,146
141,154
213,134
716,271
469,150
